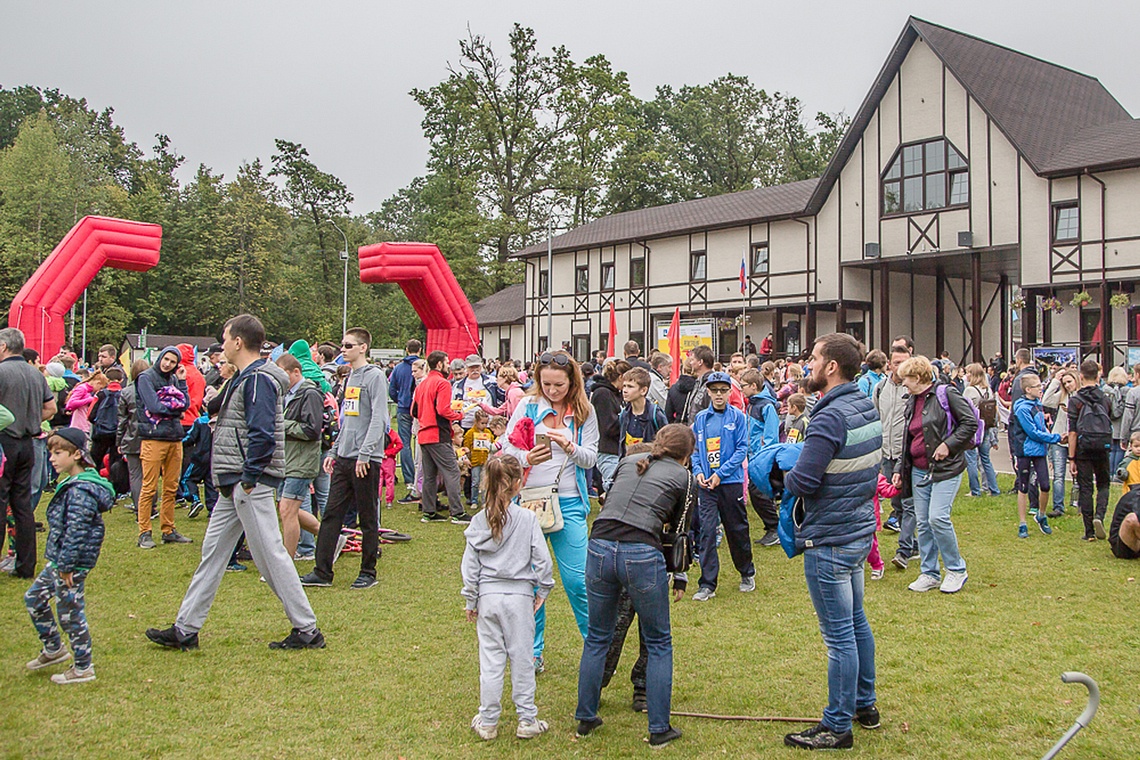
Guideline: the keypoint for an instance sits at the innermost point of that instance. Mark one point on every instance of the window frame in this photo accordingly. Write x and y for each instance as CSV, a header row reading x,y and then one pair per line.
x,y
1058,209
581,287
755,267
694,257
922,178
504,355
543,283
637,263
608,266
576,343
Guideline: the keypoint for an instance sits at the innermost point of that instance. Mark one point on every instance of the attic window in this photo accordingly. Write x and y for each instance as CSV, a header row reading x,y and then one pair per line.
x,y
925,176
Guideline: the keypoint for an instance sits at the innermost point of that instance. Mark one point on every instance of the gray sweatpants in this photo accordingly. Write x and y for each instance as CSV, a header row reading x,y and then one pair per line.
x,y
256,514
506,629
134,472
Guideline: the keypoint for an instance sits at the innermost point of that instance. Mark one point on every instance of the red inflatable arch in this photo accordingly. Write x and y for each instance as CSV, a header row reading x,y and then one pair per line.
x,y
95,242
426,279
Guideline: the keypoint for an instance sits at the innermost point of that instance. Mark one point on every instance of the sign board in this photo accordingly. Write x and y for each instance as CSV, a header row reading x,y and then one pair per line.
x,y
1050,355
1133,357
694,332
385,354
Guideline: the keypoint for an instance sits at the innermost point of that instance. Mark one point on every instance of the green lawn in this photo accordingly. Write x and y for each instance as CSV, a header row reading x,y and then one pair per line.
x,y
974,675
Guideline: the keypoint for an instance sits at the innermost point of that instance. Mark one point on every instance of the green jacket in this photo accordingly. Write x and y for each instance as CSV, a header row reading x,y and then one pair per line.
x,y
304,411
301,351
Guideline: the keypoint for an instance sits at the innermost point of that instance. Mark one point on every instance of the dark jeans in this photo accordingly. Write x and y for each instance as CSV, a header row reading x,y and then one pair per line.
x,y
437,459
16,493
725,503
764,507
625,615
101,446
1090,467
407,456
347,491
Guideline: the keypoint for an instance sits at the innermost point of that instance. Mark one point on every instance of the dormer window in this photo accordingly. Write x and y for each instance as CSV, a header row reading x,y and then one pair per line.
x,y
925,176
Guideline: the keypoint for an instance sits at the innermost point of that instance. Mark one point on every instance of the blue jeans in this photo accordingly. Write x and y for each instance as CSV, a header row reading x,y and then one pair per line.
x,y
569,549
607,466
932,503
1059,459
407,456
639,569
835,581
982,453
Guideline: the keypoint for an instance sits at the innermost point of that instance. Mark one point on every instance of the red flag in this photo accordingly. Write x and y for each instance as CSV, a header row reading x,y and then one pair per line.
x,y
674,336
613,331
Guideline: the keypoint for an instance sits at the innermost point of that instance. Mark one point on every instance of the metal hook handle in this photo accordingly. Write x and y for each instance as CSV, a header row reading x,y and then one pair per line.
x,y
1094,695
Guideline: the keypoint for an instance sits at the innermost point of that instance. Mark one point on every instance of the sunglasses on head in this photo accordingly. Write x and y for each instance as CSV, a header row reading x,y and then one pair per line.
x,y
562,360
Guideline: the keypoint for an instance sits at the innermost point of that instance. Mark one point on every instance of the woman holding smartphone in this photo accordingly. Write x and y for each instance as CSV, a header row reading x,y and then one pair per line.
x,y
565,448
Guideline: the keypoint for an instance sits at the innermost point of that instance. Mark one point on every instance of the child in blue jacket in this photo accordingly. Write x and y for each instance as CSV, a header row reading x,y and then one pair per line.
x,y
763,429
1030,439
718,469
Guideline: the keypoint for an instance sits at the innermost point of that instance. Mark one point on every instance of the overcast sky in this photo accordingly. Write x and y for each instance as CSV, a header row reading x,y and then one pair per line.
x,y
224,79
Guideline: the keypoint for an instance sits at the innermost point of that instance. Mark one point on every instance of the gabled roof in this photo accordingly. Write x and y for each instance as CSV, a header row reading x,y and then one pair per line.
x,y
1107,146
506,307
730,210
1040,107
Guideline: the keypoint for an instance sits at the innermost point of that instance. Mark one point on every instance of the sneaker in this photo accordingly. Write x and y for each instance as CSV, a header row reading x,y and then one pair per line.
x,y
877,575
924,582
298,640
900,560
868,717
953,582
341,542
195,509
640,704
528,729
1033,511
364,581
748,584
8,563
71,675
1023,531
462,519
244,555
409,498
46,659
1057,513
145,540
892,524
1098,526
663,738
154,513
172,639
771,538
820,737
174,537
236,567
485,732
586,726
430,517
312,579
539,664
1043,524
309,557
704,594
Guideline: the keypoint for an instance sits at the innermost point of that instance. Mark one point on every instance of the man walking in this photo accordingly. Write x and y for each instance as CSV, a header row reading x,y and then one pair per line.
x,y
24,392
401,386
836,476
354,464
249,465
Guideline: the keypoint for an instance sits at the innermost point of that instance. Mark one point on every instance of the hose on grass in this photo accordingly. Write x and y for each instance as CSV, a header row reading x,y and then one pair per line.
x,y
757,718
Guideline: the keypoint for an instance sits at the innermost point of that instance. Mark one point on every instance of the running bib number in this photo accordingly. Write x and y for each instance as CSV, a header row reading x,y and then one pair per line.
x,y
632,440
481,444
712,446
351,406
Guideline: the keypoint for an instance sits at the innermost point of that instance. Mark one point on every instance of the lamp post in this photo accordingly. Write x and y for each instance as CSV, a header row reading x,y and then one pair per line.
x,y
344,258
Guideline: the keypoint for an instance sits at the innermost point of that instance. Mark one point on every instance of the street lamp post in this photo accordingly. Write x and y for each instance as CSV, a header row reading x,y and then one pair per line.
x,y
344,258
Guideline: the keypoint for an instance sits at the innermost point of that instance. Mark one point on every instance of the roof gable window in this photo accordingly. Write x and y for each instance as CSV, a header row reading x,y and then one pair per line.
x,y
925,176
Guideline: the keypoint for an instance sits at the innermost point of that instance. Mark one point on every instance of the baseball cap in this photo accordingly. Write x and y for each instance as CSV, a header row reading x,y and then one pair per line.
x,y
78,439
456,365
474,360
215,348
718,378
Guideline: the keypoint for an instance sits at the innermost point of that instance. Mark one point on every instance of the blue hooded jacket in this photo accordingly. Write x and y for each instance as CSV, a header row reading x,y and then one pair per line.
x,y
730,431
1036,439
401,385
763,423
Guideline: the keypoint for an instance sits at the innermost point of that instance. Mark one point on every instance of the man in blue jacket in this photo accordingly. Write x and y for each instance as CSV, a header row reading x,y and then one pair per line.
x,y
718,469
401,386
836,477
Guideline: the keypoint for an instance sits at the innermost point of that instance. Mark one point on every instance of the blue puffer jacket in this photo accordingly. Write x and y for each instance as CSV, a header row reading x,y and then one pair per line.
x,y
75,522
1036,437
838,470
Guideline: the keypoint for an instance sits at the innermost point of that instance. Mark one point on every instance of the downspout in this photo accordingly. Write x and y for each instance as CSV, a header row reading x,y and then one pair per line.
x,y
810,284
1105,315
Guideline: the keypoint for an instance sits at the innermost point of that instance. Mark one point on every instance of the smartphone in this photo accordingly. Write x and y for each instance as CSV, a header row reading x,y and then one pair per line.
x,y
541,439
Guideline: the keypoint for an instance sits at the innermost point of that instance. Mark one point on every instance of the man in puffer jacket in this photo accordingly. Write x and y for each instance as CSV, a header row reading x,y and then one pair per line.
x,y
161,397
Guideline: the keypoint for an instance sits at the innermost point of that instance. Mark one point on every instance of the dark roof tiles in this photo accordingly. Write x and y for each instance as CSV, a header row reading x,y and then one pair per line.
x,y
505,307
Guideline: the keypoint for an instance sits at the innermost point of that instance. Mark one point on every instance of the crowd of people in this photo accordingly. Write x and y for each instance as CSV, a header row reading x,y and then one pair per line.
x,y
290,449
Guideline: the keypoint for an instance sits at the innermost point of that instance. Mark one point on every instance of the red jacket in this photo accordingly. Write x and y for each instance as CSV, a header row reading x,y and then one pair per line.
x,y
431,405
195,384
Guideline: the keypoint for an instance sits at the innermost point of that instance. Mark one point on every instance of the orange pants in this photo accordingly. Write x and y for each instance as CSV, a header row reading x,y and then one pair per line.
x,y
157,457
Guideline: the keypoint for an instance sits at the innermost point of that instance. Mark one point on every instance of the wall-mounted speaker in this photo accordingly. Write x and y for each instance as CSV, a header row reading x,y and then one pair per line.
x,y
965,239
870,250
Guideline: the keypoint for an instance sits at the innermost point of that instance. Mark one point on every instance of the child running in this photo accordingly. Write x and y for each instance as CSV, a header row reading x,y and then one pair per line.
x,y
75,536
507,575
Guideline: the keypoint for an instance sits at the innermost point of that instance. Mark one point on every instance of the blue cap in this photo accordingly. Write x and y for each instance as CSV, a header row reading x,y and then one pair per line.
x,y
718,378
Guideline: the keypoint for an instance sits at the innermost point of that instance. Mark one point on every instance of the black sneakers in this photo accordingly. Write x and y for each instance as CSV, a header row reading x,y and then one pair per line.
x,y
586,726
461,519
430,517
409,498
172,639
364,581
298,640
663,738
868,717
174,537
820,737
312,579
640,704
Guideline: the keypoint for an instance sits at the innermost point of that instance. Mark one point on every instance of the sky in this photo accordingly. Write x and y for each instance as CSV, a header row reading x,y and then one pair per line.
x,y
224,79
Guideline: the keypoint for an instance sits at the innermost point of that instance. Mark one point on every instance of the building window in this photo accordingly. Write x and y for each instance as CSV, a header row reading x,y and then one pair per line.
x,y
759,258
925,176
1066,222
607,276
543,283
582,279
543,343
582,348
504,349
638,337
698,266
604,341
637,273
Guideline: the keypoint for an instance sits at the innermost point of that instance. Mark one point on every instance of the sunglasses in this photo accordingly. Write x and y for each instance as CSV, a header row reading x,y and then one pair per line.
x,y
350,345
561,360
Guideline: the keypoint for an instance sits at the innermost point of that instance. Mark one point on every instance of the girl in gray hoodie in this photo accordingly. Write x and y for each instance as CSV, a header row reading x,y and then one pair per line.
x,y
507,575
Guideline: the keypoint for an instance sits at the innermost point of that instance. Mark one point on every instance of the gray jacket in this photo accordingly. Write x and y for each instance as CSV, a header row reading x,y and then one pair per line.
x,y
890,399
128,433
364,422
1130,421
515,564
234,456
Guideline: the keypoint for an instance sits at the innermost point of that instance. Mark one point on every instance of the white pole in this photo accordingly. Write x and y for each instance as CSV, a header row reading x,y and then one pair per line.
x,y
83,356
549,286
744,299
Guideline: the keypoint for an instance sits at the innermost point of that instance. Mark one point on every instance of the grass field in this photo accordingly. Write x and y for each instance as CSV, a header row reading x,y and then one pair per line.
x,y
976,675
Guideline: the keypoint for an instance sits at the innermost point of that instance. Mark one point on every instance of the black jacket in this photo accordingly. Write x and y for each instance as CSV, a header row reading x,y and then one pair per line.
x,y
934,434
675,401
648,502
607,405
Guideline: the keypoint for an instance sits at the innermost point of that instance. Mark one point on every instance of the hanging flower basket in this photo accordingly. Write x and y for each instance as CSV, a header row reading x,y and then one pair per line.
x,y
1120,301
1017,303
1081,299
725,324
743,319
1052,304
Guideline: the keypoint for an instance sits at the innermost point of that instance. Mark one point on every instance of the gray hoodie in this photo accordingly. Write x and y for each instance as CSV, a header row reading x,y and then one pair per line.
x,y
364,419
516,564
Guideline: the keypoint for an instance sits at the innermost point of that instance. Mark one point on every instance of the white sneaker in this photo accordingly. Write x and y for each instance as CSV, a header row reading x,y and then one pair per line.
x,y
953,582
72,675
925,582
8,563
485,732
877,575
530,729
748,584
47,659
703,595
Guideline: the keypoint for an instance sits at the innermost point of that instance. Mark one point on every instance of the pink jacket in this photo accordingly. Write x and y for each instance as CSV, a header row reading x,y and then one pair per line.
x,y
514,393
79,403
884,490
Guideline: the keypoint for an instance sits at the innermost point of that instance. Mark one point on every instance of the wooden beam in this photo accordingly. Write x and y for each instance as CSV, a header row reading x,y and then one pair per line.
x,y
884,305
976,303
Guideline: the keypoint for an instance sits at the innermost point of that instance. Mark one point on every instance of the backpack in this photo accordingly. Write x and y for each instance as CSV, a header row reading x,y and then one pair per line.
x,y
941,392
987,409
330,422
1094,426
105,415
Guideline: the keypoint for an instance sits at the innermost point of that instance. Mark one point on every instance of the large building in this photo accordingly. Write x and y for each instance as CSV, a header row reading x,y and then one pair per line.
x,y
978,193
